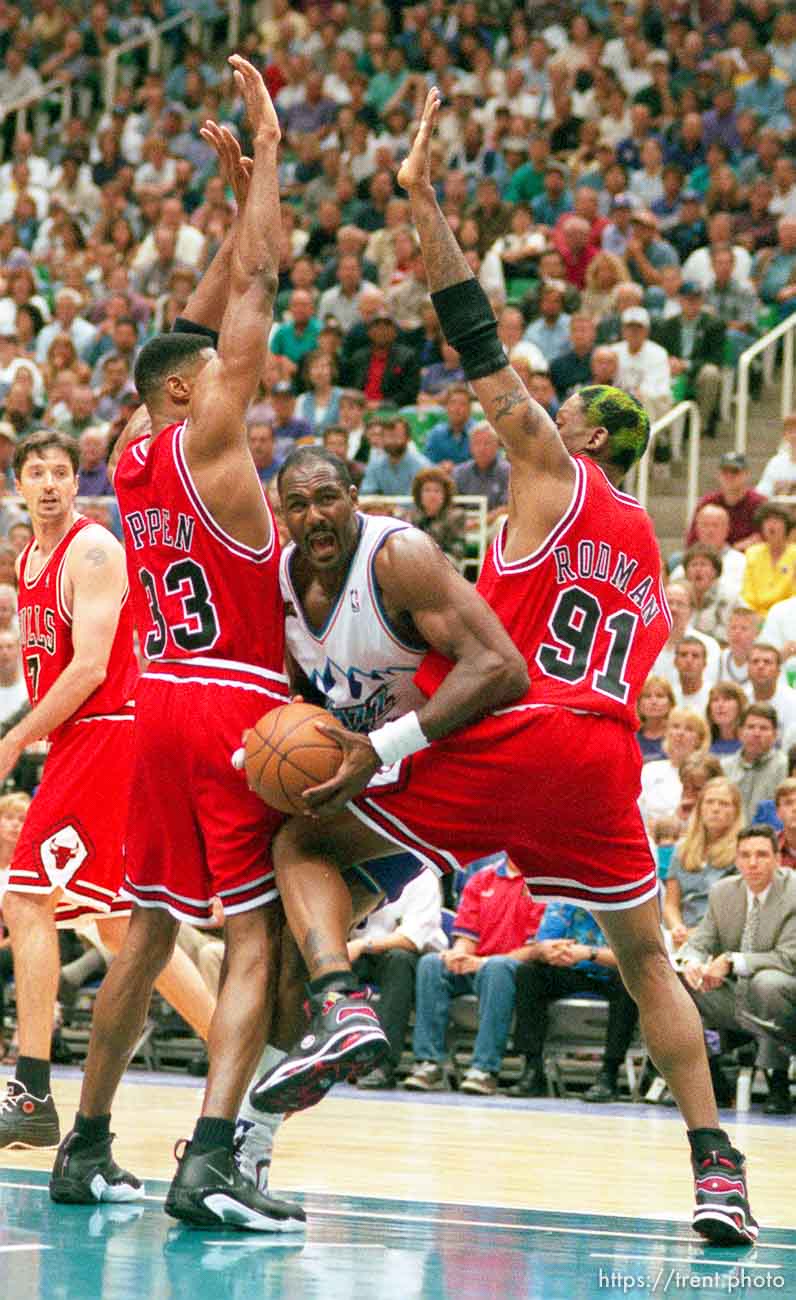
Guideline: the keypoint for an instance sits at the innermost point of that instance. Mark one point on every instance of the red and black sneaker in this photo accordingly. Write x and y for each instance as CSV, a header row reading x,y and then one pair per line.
x,y
722,1212
344,1037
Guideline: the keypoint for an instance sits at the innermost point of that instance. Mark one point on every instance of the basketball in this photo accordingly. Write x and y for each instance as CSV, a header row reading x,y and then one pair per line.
x,y
286,754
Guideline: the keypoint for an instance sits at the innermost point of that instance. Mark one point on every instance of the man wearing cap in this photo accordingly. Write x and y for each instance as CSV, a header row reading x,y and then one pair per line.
x,y
287,428
694,341
738,498
643,369
646,253
385,370
616,235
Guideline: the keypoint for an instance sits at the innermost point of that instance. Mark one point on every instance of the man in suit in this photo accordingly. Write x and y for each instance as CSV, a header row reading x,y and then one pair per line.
x,y
385,370
695,343
742,955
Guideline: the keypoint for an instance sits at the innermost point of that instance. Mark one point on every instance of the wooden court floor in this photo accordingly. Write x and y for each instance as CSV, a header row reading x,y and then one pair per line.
x,y
409,1198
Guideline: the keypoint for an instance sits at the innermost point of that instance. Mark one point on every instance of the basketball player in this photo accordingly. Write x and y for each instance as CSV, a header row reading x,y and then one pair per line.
x,y
203,559
365,597
574,575
76,634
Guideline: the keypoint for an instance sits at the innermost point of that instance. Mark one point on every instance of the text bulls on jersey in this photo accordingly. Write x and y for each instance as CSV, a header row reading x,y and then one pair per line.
x,y
155,527
604,563
37,628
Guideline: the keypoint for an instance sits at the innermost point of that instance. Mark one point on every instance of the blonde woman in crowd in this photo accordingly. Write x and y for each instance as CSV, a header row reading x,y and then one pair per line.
x,y
661,788
605,272
705,854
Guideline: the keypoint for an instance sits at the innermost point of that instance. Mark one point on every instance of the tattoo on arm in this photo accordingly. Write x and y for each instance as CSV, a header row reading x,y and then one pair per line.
x,y
445,263
97,557
507,403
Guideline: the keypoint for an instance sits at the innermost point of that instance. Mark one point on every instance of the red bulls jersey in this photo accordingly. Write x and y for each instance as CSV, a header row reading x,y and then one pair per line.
x,y
587,608
45,629
198,594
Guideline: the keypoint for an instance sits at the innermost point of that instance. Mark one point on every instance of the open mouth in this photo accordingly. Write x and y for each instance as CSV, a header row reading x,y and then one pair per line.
x,y
322,544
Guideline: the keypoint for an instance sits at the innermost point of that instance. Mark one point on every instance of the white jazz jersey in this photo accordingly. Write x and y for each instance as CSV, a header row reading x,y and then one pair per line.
x,y
357,660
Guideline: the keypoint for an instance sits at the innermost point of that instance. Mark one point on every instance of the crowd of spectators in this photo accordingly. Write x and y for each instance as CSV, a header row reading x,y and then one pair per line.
x,y
622,178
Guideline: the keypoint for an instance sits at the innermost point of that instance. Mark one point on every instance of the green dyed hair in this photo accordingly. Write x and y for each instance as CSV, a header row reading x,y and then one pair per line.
x,y
625,419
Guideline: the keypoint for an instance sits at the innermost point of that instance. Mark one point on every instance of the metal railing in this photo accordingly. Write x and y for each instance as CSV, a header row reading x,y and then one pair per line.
x,y
784,331
51,95
683,411
154,40
59,95
475,507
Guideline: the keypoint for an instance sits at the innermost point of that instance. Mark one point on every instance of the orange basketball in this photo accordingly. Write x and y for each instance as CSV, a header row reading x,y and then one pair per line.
x,y
286,754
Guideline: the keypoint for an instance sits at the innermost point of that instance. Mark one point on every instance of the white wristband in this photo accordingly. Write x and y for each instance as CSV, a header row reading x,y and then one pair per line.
x,y
396,740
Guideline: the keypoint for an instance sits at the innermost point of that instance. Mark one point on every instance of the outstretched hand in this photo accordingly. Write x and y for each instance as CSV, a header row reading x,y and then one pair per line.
x,y
416,167
235,169
260,111
359,763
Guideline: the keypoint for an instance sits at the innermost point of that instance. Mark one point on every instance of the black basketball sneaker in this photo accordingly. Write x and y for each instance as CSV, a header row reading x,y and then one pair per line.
x,y
344,1038
85,1172
722,1212
27,1121
209,1190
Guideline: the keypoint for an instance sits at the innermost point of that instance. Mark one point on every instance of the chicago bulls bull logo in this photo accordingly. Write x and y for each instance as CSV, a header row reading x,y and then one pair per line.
x,y
63,853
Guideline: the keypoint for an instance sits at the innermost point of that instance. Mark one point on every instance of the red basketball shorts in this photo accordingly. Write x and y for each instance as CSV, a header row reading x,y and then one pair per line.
x,y
74,831
554,788
196,830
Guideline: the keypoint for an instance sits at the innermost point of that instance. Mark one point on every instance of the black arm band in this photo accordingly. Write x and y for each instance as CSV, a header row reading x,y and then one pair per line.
x,y
184,326
469,325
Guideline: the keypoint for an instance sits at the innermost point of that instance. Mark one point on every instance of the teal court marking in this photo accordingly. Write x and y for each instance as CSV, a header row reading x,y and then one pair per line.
x,y
364,1248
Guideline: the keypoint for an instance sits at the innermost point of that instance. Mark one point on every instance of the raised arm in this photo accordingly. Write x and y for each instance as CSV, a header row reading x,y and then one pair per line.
x,y
208,302
97,576
227,385
468,322
419,584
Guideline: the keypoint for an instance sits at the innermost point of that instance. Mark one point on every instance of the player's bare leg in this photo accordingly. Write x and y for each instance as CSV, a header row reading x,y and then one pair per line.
x,y
27,1112
179,982
242,1018
345,1035
672,1030
122,1003
34,943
